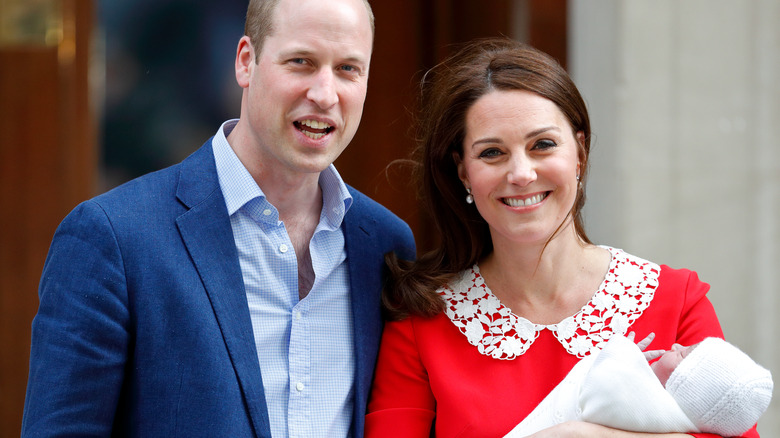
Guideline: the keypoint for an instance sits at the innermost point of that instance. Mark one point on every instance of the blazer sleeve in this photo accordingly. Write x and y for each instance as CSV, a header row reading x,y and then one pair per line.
x,y
402,404
79,335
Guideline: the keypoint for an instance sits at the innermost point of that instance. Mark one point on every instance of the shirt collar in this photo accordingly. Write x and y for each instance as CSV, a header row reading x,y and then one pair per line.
x,y
238,186
336,199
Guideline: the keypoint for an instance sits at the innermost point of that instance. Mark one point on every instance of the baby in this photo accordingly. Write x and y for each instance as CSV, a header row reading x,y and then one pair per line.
x,y
709,387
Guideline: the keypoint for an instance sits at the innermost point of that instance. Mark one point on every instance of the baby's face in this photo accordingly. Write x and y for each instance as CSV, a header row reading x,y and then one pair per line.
x,y
664,366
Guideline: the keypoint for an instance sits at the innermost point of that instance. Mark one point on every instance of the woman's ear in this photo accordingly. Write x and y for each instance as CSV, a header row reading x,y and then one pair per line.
x,y
580,136
461,169
245,61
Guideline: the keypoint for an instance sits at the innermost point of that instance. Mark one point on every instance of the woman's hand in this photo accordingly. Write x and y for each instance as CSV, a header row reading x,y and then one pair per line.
x,y
581,429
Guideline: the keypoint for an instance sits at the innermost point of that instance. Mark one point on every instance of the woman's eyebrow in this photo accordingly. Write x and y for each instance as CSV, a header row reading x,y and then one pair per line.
x,y
532,134
489,140
536,132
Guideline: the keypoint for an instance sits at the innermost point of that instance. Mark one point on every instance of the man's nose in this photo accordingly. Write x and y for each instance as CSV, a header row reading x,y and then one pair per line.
x,y
323,89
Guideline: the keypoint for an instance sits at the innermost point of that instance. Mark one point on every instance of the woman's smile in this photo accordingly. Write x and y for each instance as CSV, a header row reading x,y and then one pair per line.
x,y
525,202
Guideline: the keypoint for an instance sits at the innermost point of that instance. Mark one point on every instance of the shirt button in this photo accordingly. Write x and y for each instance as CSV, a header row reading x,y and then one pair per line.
x,y
267,212
298,315
299,386
283,248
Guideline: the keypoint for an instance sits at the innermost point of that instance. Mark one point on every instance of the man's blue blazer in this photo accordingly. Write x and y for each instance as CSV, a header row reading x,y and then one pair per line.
x,y
143,327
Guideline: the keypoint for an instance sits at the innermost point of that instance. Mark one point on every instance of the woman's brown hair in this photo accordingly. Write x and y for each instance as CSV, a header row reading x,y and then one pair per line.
x,y
448,91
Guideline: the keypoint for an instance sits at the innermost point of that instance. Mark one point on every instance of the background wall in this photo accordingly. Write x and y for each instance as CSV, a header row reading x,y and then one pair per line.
x,y
685,106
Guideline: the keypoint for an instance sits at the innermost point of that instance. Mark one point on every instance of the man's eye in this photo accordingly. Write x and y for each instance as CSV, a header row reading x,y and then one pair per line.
x,y
351,71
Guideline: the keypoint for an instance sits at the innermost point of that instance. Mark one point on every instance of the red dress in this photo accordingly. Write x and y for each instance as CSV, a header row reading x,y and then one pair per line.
x,y
477,370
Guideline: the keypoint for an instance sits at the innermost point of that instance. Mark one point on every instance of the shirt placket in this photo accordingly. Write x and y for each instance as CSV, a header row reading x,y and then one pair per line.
x,y
300,394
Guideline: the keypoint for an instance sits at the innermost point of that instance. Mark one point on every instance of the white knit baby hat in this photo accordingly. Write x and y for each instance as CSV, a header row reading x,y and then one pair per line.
x,y
721,389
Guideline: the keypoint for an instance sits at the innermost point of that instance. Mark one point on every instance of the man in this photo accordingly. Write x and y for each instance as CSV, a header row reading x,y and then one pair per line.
x,y
237,293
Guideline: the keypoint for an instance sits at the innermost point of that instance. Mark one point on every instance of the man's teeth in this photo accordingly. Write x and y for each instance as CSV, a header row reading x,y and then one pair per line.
x,y
314,129
514,202
315,124
312,135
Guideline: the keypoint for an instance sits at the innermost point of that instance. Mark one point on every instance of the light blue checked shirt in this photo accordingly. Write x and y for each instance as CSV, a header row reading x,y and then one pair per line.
x,y
305,347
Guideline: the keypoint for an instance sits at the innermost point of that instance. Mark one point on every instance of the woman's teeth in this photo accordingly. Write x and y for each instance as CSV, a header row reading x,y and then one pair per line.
x,y
514,202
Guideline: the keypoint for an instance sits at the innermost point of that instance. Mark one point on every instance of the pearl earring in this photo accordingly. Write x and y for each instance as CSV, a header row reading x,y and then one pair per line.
x,y
469,196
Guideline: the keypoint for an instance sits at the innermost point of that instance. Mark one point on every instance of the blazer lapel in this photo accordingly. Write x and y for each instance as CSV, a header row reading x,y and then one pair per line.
x,y
207,233
365,285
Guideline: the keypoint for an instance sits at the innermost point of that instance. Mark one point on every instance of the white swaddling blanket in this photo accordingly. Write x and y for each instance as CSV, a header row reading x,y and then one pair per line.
x,y
616,388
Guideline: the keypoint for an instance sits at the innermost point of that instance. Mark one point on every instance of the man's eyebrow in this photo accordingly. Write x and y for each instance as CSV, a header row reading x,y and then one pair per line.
x,y
304,52
356,59
296,52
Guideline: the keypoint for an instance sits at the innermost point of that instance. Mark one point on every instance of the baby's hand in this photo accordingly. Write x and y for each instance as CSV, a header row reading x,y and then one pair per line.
x,y
644,343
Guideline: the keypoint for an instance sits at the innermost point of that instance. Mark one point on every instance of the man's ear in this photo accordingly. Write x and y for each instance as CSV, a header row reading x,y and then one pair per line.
x,y
245,61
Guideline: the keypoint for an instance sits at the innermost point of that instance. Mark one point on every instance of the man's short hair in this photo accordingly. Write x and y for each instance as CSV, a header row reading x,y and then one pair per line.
x,y
259,21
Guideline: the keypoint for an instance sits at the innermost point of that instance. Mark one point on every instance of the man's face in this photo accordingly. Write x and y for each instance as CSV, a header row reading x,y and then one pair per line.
x,y
304,97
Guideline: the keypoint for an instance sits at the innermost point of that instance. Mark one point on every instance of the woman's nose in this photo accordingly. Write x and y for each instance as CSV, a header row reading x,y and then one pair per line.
x,y
521,171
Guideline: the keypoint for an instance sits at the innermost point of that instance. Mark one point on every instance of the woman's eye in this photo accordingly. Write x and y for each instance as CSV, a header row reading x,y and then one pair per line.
x,y
489,153
544,144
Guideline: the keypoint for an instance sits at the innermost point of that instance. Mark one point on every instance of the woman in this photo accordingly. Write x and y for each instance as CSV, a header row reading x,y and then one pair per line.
x,y
483,327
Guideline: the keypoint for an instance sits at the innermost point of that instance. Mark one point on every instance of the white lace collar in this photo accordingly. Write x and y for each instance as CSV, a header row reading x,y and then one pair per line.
x,y
624,294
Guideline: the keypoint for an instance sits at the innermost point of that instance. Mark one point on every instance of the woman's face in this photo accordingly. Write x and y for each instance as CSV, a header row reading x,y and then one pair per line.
x,y
666,364
520,159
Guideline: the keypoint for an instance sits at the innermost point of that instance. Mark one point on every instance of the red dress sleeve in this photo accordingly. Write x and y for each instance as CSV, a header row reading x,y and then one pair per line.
x,y
402,404
697,318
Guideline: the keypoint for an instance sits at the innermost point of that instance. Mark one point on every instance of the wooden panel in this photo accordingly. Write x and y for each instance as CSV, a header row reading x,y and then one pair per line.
x,y
548,27
24,135
47,164
384,136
